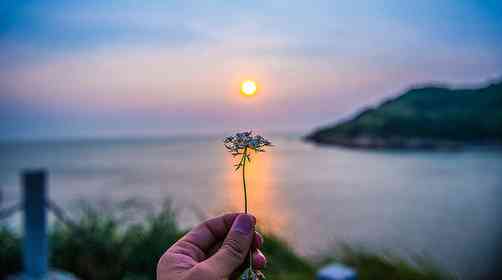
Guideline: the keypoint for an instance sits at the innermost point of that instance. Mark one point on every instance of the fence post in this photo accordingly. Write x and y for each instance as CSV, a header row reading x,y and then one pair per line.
x,y
35,244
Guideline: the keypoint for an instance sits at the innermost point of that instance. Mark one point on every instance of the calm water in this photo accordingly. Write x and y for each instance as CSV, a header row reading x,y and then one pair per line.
x,y
443,205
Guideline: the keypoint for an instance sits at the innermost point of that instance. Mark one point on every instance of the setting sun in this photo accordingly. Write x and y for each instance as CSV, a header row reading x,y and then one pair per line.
x,y
248,87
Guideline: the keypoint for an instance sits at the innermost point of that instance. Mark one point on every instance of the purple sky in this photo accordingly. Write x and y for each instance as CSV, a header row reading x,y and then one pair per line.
x,y
92,69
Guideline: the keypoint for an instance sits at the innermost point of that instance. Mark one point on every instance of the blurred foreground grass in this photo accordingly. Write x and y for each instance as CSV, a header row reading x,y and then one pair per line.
x,y
103,247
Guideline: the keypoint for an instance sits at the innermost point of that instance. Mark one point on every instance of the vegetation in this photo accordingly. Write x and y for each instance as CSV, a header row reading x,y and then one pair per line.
x,y
387,266
424,117
102,246
10,253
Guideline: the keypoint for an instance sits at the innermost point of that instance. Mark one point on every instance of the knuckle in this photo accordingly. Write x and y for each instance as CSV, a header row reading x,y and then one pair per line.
x,y
234,248
163,261
162,266
200,272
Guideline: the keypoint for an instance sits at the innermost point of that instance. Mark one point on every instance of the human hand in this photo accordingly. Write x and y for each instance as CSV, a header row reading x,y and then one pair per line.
x,y
214,250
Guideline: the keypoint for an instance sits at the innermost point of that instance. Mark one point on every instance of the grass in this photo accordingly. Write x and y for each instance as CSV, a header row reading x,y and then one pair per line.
x,y
104,246
370,265
10,253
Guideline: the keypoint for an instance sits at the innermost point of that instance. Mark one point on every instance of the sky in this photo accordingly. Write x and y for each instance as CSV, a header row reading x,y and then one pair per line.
x,y
152,68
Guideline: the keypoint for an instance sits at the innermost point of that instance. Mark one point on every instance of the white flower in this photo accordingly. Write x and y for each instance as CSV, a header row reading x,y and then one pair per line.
x,y
240,141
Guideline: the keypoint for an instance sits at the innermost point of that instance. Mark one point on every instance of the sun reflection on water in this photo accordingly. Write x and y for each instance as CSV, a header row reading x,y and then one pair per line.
x,y
263,201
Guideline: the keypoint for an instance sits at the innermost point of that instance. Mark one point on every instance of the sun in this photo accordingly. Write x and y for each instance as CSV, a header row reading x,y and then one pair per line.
x,y
248,88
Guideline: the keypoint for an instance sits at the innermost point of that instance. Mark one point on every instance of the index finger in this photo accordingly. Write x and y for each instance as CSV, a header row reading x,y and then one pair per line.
x,y
211,231
203,237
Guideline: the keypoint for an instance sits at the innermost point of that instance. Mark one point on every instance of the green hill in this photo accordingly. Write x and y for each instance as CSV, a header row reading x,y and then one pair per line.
x,y
426,117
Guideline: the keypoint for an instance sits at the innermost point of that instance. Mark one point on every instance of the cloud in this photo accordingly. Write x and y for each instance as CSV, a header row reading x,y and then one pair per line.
x,y
88,66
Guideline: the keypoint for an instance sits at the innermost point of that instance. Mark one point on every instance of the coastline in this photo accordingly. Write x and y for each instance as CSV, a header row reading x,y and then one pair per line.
x,y
397,143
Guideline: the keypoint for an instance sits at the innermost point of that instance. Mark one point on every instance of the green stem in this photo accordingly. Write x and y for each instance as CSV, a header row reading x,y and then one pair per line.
x,y
244,181
244,158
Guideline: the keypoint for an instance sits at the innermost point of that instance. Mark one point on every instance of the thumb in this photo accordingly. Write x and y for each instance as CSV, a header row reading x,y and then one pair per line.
x,y
235,247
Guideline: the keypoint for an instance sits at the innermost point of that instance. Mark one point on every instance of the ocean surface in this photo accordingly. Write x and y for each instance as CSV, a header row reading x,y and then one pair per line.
x,y
443,205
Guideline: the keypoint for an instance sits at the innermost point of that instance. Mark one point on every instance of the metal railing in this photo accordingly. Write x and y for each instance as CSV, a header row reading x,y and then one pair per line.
x,y
35,203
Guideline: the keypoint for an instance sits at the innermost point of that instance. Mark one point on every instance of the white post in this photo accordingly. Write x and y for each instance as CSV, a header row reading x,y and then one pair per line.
x,y
35,243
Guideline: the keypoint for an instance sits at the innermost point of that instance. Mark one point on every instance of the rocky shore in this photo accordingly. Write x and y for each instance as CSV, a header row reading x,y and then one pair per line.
x,y
369,142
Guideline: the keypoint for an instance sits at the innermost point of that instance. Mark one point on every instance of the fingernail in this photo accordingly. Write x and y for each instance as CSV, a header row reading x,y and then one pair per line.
x,y
243,224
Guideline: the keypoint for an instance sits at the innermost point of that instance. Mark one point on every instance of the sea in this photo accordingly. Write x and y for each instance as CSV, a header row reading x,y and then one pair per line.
x,y
444,206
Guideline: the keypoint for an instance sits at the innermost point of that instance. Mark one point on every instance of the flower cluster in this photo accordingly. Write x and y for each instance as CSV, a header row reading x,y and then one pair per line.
x,y
241,144
245,140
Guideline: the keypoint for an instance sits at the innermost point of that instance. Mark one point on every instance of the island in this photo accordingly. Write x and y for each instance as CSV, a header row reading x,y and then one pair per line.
x,y
431,117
